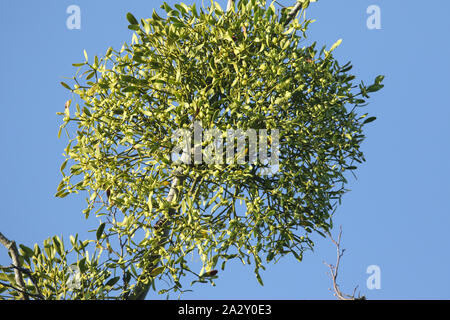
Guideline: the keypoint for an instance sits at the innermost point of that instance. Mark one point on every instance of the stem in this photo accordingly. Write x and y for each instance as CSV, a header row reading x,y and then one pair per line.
x,y
293,12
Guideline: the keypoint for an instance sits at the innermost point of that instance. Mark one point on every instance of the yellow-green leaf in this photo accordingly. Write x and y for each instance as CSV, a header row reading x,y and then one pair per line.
x,y
157,271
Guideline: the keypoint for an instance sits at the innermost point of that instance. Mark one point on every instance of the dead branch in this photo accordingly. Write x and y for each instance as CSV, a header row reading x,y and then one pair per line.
x,y
334,270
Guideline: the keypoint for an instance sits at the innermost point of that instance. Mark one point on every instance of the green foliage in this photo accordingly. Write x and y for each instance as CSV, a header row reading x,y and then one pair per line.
x,y
49,270
242,69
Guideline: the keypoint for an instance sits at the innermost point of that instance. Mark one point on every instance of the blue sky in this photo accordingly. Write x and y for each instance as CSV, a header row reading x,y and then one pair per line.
x,y
395,217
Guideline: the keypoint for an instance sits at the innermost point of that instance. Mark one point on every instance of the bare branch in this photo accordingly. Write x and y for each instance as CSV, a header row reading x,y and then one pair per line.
x,y
334,270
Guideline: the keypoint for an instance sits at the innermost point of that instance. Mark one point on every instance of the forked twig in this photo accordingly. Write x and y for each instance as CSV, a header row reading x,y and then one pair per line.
x,y
334,269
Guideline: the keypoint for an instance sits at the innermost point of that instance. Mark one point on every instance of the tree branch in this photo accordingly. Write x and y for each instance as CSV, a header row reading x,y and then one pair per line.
x,y
295,9
33,281
12,249
20,290
141,289
230,5
335,269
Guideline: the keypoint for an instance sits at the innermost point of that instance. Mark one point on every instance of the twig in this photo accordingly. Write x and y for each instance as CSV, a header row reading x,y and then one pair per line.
x,y
12,248
20,290
335,269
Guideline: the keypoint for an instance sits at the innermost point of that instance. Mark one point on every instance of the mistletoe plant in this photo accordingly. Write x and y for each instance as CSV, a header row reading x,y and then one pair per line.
x,y
247,68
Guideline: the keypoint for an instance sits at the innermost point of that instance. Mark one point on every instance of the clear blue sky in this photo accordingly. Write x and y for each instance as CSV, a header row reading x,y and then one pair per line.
x,y
397,214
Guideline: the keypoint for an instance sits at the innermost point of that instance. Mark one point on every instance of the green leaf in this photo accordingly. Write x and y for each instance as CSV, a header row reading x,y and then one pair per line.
x,y
131,19
209,274
289,31
166,7
36,249
183,8
112,281
297,256
217,6
157,271
27,252
178,24
194,10
155,16
57,244
82,265
62,194
370,119
63,165
306,3
374,87
258,277
100,230
149,202
90,75
173,13
4,277
85,55
378,79
335,45
134,27
130,89
65,85
87,112
73,240
346,68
